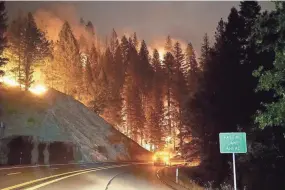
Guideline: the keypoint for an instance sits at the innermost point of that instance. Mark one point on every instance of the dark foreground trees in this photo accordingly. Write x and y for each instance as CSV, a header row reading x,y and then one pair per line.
x,y
229,96
178,97
3,38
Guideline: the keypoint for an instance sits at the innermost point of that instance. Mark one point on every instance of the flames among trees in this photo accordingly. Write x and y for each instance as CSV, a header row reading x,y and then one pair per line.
x,y
132,88
153,97
27,47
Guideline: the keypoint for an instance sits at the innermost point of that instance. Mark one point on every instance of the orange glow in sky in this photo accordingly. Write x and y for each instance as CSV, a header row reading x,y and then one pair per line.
x,y
161,52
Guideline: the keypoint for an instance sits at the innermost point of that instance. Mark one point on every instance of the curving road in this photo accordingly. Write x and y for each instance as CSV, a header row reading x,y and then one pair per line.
x,y
100,176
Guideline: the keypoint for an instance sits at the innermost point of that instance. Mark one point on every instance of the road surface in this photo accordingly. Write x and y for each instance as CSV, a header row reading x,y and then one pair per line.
x,y
107,176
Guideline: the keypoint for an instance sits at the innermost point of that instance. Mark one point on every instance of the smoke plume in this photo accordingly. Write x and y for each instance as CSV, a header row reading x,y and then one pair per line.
x,y
50,20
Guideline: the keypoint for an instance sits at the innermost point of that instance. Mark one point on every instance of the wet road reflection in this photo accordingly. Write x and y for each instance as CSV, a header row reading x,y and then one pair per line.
x,y
138,177
134,177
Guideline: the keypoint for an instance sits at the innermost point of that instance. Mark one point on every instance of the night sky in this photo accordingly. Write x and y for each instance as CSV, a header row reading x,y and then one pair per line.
x,y
153,21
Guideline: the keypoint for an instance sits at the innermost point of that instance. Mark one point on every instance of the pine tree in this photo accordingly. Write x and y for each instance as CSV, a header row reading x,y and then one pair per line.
x,y
135,41
125,47
156,63
145,77
143,53
168,45
15,51
143,69
190,60
157,110
219,35
67,59
112,111
133,102
205,52
191,69
114,43
28,48
179,87
100,91
169,63
108,65
3,39
119,67
118,87
91,71
252,58
178,56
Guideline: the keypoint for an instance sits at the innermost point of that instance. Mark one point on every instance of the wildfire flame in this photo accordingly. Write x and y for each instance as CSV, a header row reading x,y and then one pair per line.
x,y
8,81
161,52
37,89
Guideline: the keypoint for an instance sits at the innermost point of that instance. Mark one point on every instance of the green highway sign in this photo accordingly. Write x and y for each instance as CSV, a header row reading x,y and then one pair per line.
x,y
233,143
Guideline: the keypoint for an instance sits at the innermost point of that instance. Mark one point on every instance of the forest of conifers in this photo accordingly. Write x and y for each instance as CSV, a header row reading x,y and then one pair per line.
x,y
237,84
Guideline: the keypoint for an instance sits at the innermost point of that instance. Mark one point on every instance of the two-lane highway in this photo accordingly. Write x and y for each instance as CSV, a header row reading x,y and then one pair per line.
x,y
107,176
10,176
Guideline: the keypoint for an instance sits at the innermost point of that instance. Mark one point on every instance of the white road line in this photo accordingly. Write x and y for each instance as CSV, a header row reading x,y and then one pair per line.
x,y
54,168
41,165
59,175
15,173
68,176
44,178
114,178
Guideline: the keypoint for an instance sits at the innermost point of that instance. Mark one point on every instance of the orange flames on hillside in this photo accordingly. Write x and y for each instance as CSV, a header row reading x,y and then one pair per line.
x,y
37,89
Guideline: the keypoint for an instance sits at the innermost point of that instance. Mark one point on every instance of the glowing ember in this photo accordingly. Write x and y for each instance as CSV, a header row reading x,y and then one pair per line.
x,y
37,89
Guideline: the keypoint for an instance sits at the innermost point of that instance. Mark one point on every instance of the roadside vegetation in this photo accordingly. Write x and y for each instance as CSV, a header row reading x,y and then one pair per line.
x,y
237,84
241,88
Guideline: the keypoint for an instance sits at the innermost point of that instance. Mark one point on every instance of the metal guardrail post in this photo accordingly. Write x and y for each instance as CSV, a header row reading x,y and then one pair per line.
x,y
177,175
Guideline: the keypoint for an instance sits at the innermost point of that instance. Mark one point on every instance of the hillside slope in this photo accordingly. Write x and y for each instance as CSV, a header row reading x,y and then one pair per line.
x,y
43,121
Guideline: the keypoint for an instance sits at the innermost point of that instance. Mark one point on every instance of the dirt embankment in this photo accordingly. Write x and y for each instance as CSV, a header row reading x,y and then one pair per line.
x,y
57,128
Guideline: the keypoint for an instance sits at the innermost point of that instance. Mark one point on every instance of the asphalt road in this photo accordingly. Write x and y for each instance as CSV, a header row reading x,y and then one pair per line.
x,y
107,176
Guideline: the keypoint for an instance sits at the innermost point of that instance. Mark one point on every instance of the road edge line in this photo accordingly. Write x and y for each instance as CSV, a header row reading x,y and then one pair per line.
x,y
68,176
161,180
44,178
164,182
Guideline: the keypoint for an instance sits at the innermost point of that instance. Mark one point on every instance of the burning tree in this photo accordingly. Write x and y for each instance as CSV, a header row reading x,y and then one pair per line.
x,y
27,48
67,62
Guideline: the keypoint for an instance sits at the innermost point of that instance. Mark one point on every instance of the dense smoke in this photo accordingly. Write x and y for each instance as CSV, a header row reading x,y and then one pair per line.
x,y
50,20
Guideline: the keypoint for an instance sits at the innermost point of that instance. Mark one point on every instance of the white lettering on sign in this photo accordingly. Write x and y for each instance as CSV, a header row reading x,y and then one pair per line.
x,y
232,142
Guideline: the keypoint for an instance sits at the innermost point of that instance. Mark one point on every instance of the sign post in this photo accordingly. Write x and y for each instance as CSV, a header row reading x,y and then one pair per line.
x,y
231,143
177,175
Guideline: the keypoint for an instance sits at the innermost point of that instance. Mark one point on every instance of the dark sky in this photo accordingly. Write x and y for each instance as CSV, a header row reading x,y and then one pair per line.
x,y
185,21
